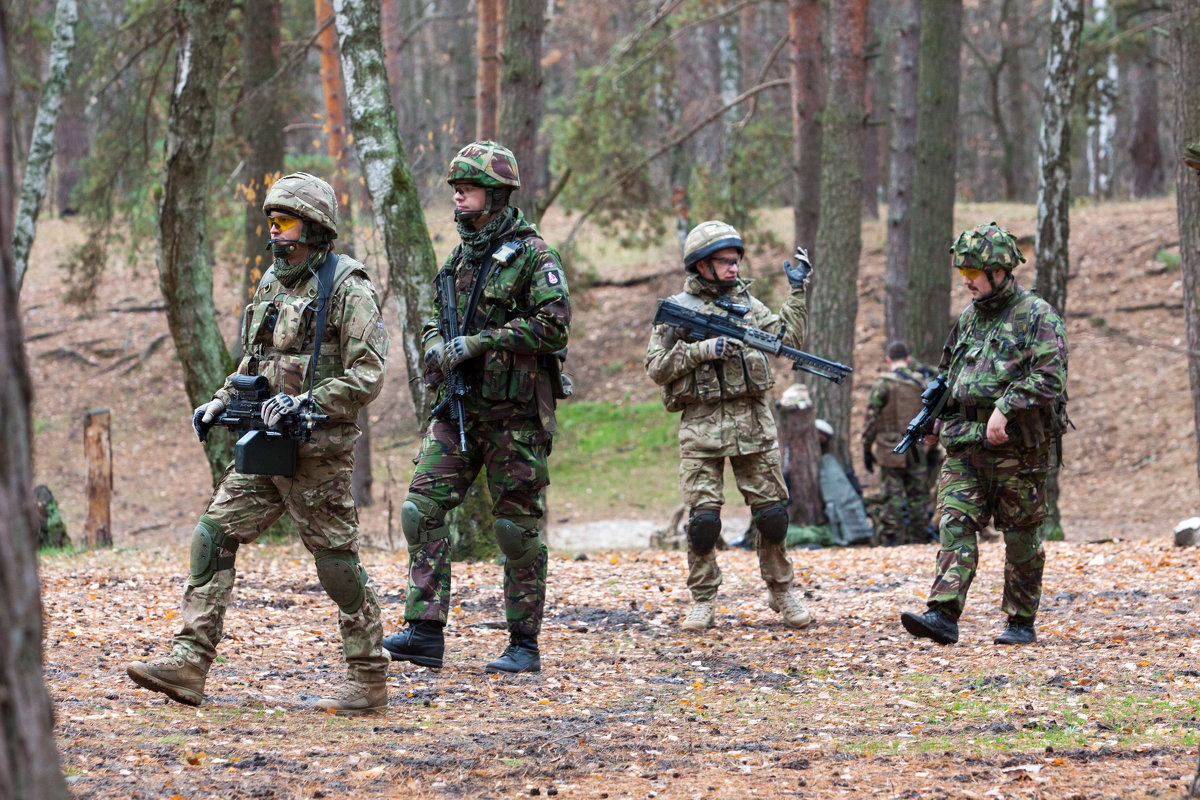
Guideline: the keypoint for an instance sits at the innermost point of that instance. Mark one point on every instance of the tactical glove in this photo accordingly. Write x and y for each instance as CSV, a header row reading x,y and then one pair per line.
x,y
279,407
799,275
868,457
719,348
203,416
434,354
462,348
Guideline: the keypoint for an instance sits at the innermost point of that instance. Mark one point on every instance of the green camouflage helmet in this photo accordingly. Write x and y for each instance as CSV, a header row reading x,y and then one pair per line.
x,y
707,238
486,164
987,247
304,196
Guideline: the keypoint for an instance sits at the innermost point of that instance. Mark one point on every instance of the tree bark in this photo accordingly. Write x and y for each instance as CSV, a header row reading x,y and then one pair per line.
x,y
1051,259
41,147
29,768
801,463
487,75
462,69
900,181
1144,150
521,97
839,234
185,257
808,80
394,198
97,446
333,91
931,222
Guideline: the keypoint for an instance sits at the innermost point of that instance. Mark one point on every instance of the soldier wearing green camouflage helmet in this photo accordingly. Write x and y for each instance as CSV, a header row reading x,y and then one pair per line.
x,y
515,312
1005,362
721,389
278,338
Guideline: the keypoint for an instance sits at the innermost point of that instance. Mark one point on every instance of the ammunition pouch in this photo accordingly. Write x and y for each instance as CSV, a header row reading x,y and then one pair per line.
x,y
703,529
266,453
342,577
207,543
518,540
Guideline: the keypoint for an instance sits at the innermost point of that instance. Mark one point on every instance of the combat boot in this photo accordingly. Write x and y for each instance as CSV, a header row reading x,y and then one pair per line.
x,y
795,615
1017,632
180,680
700,617
933,624
353,697
521,655
422,642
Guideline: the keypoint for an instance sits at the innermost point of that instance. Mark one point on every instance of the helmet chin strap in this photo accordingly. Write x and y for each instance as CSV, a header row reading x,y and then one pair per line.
x,y
490,206
281,248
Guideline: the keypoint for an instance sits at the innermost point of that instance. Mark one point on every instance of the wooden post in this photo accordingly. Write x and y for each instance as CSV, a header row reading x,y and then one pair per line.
x,y
97,448
801,452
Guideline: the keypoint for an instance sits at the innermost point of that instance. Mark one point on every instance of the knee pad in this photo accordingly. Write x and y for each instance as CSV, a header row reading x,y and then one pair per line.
x,y
703,529
519,542
422,521
342,577
207,541
772,523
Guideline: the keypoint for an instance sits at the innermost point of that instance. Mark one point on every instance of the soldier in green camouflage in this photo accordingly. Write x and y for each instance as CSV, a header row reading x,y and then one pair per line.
x,y
516,314
1005,361
278,340
892,402
721,389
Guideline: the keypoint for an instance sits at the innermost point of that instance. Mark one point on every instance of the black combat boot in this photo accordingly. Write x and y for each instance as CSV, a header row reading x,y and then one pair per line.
x,y
1017,632
933,624
521,655
421,643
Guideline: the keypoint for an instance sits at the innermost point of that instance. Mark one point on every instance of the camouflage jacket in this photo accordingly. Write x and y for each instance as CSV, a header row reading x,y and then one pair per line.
x,y
724,403
524,311
1006,351
892,402
278,329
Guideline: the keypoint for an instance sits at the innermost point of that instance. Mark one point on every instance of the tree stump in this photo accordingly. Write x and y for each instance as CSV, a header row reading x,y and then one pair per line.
x,y
97,447
801,452
52,531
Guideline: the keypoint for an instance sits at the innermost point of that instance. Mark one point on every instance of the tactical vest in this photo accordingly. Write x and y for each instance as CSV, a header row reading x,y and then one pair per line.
x,y
748,375
904,402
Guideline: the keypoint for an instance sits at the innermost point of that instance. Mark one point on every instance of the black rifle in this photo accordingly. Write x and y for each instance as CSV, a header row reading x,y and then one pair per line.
x,y
933,402
696,325
448,329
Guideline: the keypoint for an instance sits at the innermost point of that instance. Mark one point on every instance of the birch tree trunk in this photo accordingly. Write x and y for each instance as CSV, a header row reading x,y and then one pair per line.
x,y
521,97
839,234
808,78
1054,153
487,76
41,148
900,181
394,200
931,222
29,767
185,257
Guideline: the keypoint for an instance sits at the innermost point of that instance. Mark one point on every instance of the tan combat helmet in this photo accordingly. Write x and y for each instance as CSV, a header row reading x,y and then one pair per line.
x,y
707,238
309,198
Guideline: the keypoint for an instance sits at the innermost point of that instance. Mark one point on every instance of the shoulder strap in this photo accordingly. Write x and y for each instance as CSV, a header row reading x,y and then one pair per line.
x,y
324,290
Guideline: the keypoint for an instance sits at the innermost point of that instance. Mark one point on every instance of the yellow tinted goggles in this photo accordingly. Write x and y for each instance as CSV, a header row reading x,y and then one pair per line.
x,y
283,223
969,274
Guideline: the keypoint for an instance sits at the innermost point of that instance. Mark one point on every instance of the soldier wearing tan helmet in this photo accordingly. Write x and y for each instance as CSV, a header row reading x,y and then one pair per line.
x,y
278,339
515,312
720,388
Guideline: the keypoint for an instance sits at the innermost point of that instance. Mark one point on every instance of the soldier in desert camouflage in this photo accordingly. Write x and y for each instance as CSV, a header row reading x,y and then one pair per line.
x,y
721,389
278,339
515,316
1005,362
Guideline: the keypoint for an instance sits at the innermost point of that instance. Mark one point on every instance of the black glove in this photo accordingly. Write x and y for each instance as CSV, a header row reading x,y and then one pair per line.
x,y
868,458
798,275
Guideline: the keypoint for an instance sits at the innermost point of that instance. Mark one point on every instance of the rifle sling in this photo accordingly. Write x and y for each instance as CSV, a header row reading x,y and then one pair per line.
x,y
324,290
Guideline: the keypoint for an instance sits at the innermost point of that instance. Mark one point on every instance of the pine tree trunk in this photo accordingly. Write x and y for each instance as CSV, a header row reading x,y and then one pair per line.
x,y
1054,153
29,768
333,93
808,78
1144,150
487,75
462,69
931,222
900,180
41,147
185,257
521,97
839,234
394,199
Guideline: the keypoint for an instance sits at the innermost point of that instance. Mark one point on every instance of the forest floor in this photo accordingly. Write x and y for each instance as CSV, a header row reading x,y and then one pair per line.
x,y
628,706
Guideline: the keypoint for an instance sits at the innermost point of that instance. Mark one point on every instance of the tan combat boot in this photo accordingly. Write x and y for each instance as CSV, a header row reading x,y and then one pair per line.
x,y
795,615
180,680
353,697
700,617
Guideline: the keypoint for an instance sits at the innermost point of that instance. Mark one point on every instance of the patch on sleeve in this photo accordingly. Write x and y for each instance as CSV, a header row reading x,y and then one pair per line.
x,y
550,276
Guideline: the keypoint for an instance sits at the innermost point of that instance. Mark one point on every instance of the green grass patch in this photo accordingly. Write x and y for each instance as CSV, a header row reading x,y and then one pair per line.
x,y
1169,259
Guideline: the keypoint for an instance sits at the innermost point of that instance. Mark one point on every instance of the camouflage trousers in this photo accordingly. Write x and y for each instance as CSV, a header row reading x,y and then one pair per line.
x,y
759,477
902,513
1009,490
513,452
243,506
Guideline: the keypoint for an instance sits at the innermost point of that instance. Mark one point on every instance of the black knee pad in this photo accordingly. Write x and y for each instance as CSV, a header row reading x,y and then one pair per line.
x,y
703,529
772,523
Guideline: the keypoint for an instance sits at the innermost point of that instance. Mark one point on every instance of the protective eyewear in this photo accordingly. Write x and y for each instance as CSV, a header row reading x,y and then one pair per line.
x,y
725,261
283,223
969,273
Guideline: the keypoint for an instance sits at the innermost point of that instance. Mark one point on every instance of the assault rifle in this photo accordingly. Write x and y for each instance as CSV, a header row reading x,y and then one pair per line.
x,y
448,329
933,402
696,326
261,450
